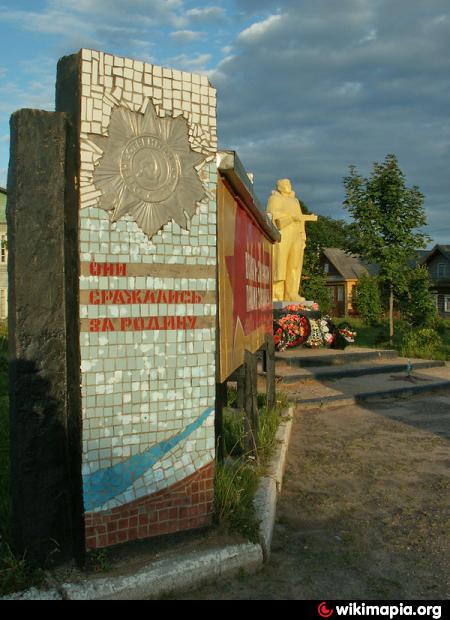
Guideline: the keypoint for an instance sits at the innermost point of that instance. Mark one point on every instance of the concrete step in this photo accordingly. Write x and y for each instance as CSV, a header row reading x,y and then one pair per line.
x,y
354,390
304,358
292,374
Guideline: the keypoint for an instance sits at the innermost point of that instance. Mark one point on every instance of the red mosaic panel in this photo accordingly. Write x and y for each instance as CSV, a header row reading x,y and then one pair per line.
x,y
187,505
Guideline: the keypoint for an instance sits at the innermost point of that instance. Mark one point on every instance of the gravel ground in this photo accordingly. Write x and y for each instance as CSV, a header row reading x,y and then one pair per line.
x,y
364,512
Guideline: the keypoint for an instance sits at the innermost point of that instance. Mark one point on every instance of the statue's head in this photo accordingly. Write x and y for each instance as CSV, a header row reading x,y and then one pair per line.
x,y
284,187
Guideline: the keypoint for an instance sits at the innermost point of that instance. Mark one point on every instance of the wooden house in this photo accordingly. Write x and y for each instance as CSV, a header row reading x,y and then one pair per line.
x,y
437,262
343,271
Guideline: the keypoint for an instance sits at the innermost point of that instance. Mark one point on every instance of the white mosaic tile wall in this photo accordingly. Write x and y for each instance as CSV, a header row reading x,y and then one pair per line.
x,y
148,395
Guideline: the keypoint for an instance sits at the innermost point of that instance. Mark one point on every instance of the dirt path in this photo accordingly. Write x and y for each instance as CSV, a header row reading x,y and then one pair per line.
x,y
364,510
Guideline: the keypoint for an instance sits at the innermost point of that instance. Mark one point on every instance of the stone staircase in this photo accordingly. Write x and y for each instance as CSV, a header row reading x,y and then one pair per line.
x,y
318,378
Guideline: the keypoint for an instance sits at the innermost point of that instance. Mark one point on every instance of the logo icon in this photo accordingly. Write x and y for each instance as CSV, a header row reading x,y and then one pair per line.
x,y
324,611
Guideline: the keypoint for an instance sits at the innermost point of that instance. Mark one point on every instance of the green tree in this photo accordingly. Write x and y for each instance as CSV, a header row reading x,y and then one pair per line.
x,y
325,233
314,285
367,299
388,216
417,304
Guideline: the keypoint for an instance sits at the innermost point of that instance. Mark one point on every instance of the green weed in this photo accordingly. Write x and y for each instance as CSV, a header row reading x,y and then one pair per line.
x,y
16,573
235,484
269,420
98,561
236,480
233,431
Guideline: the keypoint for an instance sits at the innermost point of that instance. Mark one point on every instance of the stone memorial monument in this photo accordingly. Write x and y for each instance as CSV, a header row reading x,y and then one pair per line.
x,y
287,215
113,277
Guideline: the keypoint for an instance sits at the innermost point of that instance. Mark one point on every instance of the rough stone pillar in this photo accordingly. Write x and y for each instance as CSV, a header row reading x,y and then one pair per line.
x,y
44,356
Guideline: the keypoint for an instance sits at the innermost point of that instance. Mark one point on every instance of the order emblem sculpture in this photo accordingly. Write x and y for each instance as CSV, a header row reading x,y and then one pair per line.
x,y
288,217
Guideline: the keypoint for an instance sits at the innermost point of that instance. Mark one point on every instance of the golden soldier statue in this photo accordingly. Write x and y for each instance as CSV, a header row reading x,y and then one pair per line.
x,y
288,254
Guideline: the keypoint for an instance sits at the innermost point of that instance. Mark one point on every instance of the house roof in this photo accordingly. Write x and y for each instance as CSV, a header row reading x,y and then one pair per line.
x,y
350,266
420,257
442,249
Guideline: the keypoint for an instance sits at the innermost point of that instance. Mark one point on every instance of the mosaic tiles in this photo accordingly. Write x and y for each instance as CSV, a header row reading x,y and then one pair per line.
x,y
147,301
185,505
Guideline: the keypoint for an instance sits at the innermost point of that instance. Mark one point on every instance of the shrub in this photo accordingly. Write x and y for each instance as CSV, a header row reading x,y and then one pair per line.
x,y
417,304
422,343
367,300
315,288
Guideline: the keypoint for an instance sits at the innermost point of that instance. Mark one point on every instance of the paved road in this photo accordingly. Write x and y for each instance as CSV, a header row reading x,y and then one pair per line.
x,y
364,511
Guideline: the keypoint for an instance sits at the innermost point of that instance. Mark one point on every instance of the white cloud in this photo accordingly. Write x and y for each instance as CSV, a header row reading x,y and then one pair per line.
x,y
368,38
209,13
186,36
35,90
196,64
259,29
48,22
349,89
302,92
99,21
325,84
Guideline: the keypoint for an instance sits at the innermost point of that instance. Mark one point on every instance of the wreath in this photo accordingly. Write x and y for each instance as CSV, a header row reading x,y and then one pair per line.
x,y
293,326
290,330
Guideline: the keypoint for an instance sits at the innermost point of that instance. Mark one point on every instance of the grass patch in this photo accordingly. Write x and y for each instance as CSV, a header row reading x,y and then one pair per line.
x,y
269,421
405,341
236,479
17,574
235,484
423,343
233,431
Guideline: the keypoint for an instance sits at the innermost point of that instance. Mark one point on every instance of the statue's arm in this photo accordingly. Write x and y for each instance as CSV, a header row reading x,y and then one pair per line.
x,y
279,217
310,218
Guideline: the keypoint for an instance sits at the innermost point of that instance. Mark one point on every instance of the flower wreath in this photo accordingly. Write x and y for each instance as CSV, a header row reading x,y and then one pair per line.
x,y
290,330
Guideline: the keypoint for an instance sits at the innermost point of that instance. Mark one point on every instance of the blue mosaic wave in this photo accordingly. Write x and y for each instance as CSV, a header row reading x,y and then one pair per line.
x,y
105,484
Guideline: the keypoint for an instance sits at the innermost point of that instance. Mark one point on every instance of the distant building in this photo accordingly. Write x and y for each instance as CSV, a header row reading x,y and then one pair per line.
x,y
3,257
437,262
343,271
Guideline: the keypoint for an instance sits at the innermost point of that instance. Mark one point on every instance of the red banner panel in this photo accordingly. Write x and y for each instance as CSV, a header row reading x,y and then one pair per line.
x,y
245,281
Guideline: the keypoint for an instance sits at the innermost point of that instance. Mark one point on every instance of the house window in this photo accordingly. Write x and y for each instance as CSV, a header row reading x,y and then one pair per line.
x,y
326,268
446,303
441,270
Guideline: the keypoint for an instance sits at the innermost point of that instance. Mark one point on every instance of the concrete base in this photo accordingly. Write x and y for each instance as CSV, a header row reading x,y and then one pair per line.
x,y
170,574
269,488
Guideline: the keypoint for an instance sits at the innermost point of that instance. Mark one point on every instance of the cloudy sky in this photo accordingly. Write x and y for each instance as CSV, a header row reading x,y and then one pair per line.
x,y
305,87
